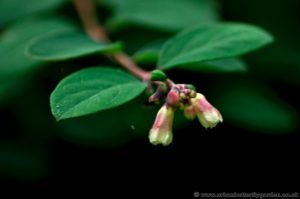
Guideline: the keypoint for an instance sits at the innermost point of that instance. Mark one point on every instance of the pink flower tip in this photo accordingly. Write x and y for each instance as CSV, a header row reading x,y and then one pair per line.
x,y
161,131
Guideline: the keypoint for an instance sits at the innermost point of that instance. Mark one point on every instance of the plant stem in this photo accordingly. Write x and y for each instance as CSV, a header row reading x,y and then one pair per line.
x,y
87,12
125,61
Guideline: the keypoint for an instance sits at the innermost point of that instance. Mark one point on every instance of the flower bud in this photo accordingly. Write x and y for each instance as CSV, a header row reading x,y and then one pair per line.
x,y
189,112
208,115
193,94
161,131
154,98
191,86
173,97
183,96
158,75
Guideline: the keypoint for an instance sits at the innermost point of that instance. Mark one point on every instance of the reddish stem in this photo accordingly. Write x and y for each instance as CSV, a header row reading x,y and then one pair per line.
x,y
87,12
125,61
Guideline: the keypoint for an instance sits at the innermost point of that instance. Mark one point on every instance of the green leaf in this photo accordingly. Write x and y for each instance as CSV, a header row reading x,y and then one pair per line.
x,y
171,15
13,9
149,54
212,42
15,38
252,106
66,44
91,90
218,66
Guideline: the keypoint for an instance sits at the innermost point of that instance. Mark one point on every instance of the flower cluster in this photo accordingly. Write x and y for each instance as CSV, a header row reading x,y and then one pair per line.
x,y
183,97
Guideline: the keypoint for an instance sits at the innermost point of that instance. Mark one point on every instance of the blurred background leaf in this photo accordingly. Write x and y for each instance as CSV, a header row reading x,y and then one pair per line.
x,y
11,10
169,15
253,106
14,65
10,87
15,38
279,62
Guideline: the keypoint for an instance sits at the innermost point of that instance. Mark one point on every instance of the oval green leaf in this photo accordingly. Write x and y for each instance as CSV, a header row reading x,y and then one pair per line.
x,y
92,90
66,44
149,54
212,42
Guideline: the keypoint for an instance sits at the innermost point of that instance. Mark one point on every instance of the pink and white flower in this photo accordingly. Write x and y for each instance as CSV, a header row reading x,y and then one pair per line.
x,y
161,131
207,114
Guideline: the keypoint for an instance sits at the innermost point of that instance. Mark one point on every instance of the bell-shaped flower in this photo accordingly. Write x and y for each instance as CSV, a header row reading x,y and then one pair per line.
x,y
161,131
208,115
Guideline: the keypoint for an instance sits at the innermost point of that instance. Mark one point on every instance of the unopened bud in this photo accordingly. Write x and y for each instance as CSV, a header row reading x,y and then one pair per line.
x,y
193,94
181,106
191,86
158,75
155,97
173,97
189,112
182,96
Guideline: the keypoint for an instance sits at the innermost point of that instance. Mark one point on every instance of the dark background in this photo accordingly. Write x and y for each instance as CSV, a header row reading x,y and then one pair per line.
x,y
223,159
